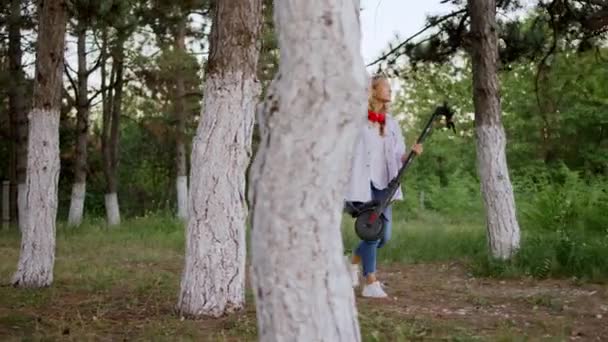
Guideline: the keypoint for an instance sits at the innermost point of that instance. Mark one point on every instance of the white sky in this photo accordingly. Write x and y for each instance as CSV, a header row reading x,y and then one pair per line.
x,y
382,19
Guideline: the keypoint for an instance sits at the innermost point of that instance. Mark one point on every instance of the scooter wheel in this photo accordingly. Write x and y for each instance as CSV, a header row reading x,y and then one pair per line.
x,y
369,226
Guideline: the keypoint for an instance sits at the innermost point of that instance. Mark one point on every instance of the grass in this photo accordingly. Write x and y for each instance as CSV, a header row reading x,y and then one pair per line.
x,y
119,283
122,283
427,239
379,326
543,254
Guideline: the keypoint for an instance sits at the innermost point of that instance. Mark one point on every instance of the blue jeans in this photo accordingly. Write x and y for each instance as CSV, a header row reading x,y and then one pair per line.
x,y
368,250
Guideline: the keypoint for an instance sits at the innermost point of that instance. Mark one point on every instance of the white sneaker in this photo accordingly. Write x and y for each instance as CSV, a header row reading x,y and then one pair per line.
x,y
354,274
373,290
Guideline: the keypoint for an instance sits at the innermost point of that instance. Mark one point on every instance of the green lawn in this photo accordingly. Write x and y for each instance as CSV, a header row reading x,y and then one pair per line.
x,y
123,283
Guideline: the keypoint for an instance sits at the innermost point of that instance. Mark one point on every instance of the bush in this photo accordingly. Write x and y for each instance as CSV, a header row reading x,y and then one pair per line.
x,y
552,255
568,205
562,217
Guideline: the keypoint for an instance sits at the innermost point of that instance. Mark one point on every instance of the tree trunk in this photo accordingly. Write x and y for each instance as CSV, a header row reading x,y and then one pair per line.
x,y
37,257
213,280
308,128
180,125
18,115
12,176
14,56
106,101
502,226
6,215
82,115
110,134
549,113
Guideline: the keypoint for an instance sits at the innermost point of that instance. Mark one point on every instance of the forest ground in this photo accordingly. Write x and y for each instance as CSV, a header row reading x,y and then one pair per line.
x,y
122,284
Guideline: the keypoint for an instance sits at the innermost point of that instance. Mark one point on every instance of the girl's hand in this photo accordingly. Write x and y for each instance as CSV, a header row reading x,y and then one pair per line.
x,y
417,149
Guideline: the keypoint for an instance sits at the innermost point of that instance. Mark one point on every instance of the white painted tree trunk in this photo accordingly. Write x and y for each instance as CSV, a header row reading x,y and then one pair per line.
x,y
302,288
502,226
213,280
82,124
21,203
182,197
77,204
37,257
37,254
112,209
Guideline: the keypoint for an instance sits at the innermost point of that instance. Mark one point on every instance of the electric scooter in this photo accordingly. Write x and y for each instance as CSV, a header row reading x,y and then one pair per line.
x,y
368,221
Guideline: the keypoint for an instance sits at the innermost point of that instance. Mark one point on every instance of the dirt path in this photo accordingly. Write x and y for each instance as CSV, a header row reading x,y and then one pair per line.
x,y
445,298
429,302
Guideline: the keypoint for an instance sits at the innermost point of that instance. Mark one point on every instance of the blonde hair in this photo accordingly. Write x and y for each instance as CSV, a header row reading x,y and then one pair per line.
x,y
374,104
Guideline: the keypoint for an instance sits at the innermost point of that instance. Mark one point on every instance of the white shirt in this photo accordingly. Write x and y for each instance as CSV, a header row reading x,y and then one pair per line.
x,y
377,156
360,176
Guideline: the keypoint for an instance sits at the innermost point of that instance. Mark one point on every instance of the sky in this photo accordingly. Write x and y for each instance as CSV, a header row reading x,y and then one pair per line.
x,y
382,19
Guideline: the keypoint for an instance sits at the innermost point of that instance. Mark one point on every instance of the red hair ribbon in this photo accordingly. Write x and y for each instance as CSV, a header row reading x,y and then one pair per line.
x,y
376,117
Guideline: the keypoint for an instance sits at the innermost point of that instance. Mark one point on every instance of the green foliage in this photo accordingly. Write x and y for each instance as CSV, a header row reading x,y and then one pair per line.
x,y
431,237
268,63
146,171
553,255
578,24
557,150
165,17
155,94
567,205
146,181
570,126
148,122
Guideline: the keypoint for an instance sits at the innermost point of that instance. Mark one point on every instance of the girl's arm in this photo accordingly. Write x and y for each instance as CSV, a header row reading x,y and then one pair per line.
x,y
400,148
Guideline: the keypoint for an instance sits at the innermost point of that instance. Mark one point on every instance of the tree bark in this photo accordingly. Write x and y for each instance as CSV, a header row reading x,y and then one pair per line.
x,y
111,134
18,115
37,256
82,117
213,280
549,114
106,100
308,127
6,216
180,126
502,226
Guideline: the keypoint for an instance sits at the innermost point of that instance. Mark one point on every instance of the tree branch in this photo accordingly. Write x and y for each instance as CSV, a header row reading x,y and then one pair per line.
x,y
71,101
94,67
66,68
97,93
100,91
424,29
202,13
596,21
602,3
193,94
